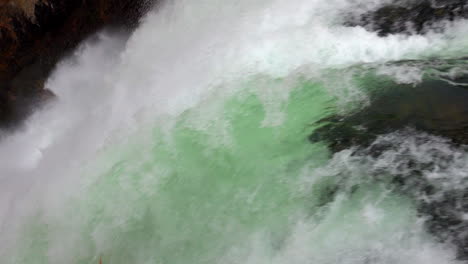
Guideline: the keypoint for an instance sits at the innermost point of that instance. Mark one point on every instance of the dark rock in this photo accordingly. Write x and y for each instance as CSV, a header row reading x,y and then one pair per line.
x,y
35,34
412,17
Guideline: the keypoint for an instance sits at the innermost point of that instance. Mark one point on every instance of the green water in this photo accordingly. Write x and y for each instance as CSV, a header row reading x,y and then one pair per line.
x,y
187,143
226,188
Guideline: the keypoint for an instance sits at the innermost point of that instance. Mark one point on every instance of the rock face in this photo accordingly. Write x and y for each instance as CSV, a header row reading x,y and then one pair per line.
x,y
34,34
411,16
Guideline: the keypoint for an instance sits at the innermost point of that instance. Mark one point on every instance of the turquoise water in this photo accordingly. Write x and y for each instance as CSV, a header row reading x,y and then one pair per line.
x,y
232,191
189,144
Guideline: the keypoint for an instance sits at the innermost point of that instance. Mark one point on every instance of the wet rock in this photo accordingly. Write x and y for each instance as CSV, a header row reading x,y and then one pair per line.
x,y
411,16
35,34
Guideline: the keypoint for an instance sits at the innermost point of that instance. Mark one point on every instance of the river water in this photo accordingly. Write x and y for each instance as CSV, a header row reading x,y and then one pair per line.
x,y
188,142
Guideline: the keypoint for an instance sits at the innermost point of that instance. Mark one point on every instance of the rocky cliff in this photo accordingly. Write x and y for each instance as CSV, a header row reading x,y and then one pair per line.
x,y
34,34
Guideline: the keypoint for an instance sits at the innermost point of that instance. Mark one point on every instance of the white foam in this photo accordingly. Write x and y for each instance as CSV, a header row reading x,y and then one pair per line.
x,y
180,55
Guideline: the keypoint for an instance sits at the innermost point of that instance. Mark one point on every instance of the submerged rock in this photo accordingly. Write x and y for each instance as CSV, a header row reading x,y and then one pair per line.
x,y
35,34
411,16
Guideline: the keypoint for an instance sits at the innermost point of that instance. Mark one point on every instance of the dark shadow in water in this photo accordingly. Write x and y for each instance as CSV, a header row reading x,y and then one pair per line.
x,y
435,106
410,16
438,106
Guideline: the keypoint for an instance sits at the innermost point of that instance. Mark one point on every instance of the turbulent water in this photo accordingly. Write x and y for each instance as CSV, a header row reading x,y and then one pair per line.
x,y
187,142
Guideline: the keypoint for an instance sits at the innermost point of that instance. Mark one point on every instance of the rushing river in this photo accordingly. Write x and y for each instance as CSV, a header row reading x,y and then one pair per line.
x,y
189,141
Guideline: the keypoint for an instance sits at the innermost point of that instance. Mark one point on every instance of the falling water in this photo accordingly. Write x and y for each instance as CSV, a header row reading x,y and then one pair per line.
x,y
187,142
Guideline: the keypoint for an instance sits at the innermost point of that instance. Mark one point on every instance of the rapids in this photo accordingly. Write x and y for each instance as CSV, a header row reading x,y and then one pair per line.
x,y
188,142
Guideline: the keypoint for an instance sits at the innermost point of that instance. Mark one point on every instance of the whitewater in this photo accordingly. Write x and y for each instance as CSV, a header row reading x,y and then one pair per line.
x,y
187,142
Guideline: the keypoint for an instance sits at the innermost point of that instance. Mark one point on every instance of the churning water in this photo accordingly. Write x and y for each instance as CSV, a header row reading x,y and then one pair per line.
x,y
188,143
